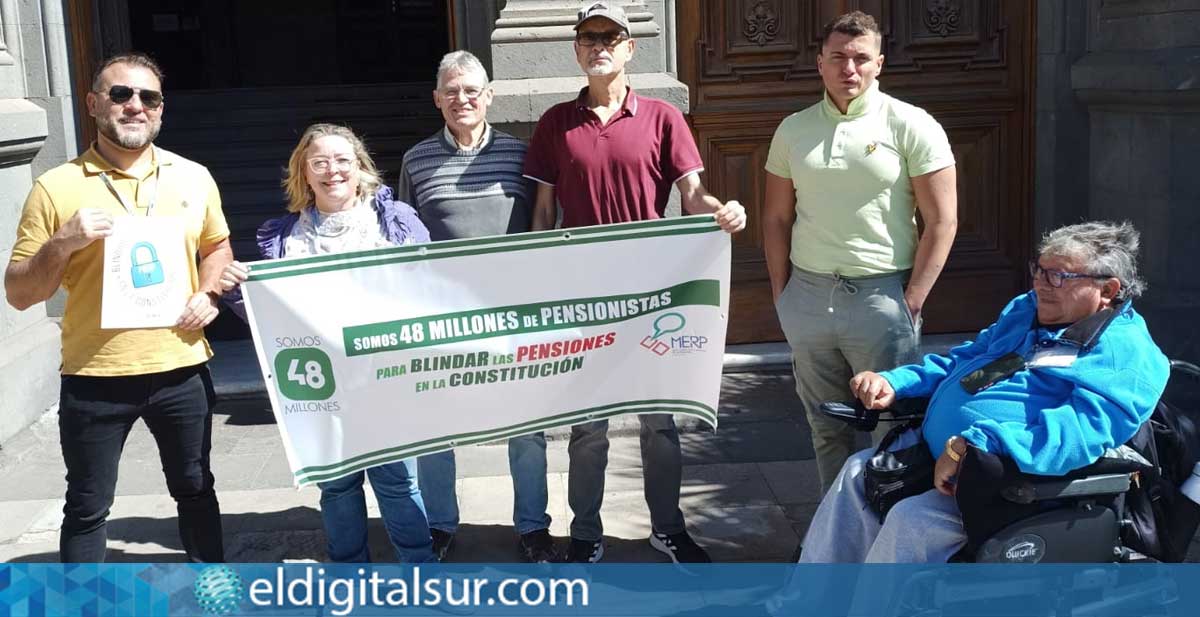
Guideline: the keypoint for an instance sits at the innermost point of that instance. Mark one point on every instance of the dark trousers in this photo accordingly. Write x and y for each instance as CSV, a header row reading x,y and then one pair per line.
x,y
94,418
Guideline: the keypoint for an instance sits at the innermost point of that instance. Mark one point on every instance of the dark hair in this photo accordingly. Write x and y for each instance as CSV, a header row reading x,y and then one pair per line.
x,y
855,23
132,58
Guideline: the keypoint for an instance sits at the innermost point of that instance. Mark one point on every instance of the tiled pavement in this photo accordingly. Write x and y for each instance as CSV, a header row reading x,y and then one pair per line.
x,y
749,489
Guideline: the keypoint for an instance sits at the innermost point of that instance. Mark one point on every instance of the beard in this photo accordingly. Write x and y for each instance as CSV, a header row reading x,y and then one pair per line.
x,y
600,70
130,141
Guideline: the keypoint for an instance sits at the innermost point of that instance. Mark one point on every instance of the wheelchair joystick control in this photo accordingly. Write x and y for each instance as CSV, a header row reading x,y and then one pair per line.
x,y
1191,487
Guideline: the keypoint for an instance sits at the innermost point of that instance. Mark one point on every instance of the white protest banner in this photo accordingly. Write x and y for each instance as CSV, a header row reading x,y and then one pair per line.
x,y
146,279
376,356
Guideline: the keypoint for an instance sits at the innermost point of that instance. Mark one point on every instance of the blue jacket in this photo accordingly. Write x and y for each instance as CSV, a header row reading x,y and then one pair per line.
x,y
1048,419
397,219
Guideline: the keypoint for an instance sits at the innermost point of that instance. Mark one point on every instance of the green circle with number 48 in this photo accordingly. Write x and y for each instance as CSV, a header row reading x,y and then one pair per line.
x,y
304,374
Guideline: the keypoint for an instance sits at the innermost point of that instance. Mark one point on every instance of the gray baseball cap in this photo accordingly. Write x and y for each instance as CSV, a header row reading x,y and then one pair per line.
x,y
603,9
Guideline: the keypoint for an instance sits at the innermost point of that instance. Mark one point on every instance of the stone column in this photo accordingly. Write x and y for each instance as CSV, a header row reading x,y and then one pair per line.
x,y
533,61
473,23
28,59
1061,136
51,89
1140,85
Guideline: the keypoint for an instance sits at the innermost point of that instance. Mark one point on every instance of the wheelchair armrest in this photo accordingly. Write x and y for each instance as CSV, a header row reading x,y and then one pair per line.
x,y
1029,491
852,413
860,418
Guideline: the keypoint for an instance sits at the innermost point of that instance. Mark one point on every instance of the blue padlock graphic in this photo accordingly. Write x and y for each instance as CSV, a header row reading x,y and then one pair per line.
x,y
144,265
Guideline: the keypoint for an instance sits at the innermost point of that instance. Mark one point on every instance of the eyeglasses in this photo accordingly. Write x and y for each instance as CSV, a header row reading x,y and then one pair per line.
x,y
151,99
1056,278
340,164
608,39
470,92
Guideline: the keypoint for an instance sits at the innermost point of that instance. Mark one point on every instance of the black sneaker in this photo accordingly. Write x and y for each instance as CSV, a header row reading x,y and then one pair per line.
x,y
585,551
680,547
442,541
537,547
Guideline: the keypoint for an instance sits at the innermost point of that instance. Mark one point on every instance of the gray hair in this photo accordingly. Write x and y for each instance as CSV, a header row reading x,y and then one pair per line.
x,y
1107,249
461,62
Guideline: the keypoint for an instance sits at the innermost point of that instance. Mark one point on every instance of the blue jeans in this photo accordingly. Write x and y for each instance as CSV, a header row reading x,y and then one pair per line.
x,y
924,528
526,463
95,415
344,513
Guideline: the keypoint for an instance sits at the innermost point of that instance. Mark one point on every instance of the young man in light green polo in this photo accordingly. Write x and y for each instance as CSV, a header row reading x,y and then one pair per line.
x,y
845,178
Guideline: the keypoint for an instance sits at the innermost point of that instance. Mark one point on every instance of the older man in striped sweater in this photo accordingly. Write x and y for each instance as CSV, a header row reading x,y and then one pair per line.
x,y
465,181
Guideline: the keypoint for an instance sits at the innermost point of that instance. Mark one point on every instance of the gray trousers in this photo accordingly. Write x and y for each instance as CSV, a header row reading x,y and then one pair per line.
x,y
838,327
925,528
662,472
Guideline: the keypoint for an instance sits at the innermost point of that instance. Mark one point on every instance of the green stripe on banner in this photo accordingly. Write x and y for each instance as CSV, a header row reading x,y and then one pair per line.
x,y
557,235
280,268
515,319
322,473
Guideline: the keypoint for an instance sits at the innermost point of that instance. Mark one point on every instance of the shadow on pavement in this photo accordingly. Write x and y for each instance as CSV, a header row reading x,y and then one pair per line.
x,y
244,412
296,535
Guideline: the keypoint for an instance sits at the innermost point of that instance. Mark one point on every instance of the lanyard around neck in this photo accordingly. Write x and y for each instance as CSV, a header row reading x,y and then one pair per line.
x,y
124,204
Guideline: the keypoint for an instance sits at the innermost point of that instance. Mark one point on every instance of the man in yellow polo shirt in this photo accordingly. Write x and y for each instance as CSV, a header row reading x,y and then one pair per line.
x,y
845,178
112,377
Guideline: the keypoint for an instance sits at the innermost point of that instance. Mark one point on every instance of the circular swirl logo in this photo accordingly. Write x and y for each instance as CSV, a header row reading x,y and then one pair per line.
x,y
218,590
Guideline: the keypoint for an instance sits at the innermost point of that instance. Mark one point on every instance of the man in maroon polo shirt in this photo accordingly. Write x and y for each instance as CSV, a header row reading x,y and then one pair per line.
x,y
611,156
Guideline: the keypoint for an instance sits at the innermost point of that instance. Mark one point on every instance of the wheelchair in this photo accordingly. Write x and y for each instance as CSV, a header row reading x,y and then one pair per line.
x,y
1082,517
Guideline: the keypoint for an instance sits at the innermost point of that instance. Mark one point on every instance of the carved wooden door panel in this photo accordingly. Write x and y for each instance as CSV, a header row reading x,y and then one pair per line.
x,y
750,63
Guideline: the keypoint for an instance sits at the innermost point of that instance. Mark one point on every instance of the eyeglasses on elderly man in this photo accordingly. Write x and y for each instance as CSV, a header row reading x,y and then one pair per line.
x,y
1056,278
608,39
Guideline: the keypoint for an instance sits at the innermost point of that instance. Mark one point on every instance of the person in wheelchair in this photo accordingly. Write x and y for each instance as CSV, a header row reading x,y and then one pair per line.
x,y
1067,371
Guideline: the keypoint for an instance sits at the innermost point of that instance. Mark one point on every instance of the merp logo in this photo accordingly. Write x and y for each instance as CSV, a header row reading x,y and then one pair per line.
x,y
688,343
664,324
218,590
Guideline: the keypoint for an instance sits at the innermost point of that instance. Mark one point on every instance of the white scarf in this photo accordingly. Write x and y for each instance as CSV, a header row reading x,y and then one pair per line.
x,y
355,229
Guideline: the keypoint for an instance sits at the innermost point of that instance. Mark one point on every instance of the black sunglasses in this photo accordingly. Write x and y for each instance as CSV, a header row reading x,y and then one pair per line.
x,y
608,39
120,95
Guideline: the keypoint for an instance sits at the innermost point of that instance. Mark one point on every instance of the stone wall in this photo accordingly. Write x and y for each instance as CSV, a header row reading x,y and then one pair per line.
x,y
1118,122
37,132
1061,120
534,67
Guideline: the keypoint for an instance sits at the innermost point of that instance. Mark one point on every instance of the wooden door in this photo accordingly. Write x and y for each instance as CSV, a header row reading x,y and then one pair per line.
x,y
81,14
750,63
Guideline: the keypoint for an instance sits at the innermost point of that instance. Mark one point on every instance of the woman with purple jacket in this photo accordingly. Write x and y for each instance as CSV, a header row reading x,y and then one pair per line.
x,y
336,203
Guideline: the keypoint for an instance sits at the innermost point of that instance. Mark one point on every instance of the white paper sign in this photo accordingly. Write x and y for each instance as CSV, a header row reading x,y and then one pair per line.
x,y
376,356
146,279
